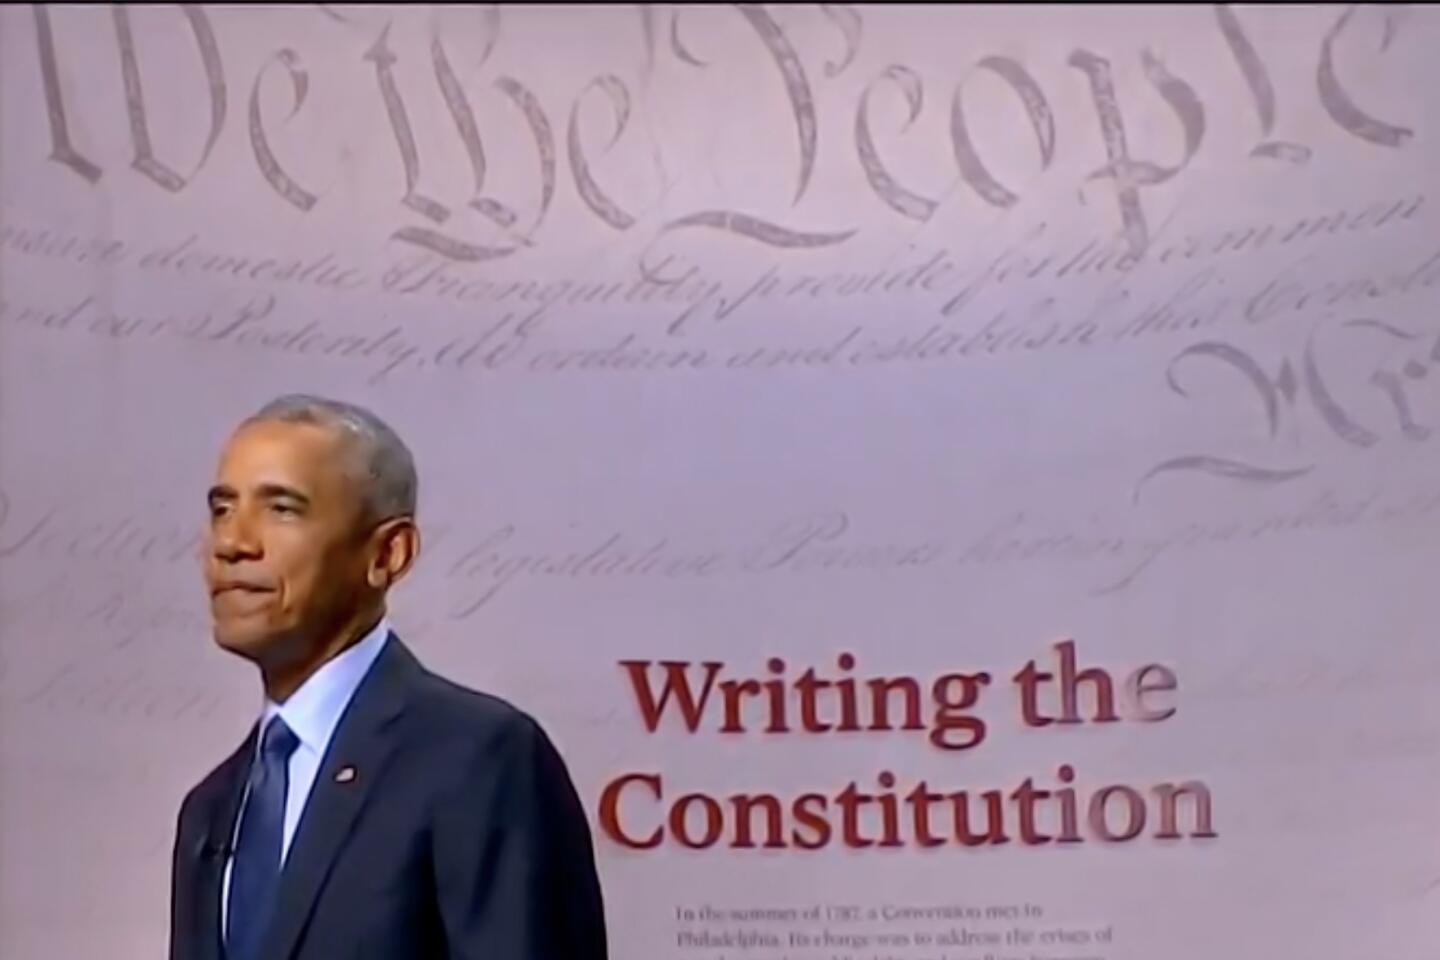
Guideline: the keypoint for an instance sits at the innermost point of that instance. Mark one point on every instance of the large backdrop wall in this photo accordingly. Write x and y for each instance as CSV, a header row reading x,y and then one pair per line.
x,y
956,483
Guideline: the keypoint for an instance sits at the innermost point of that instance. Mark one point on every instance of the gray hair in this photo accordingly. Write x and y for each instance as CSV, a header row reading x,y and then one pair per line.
x,y
390,484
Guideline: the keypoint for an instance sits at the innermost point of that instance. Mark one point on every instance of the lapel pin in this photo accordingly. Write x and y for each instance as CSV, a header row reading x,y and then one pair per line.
x,y
345,775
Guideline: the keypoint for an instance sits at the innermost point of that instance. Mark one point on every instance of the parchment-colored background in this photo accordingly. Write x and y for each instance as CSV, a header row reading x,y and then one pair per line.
x,y
920,406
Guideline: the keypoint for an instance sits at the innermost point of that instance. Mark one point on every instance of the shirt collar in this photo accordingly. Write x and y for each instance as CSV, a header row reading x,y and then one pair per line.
x,y
313,711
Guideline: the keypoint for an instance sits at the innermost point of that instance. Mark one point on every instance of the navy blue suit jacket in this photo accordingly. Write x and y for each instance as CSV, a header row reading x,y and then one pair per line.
x,y
459,837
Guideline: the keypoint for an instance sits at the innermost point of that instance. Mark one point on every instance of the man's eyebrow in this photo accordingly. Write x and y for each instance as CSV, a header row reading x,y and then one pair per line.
x,y
278,491
266,491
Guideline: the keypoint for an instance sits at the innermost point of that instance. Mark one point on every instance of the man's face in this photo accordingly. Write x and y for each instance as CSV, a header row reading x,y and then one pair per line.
x,y
286,553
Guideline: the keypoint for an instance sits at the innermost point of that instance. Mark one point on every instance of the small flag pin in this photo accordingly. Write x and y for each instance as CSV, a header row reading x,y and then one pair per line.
x,y
345,775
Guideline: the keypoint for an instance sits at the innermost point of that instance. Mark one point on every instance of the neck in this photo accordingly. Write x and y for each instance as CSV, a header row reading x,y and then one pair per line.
x,y
283,679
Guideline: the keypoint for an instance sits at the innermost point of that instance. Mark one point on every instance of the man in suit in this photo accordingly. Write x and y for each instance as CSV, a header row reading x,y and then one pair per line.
x,y
376,810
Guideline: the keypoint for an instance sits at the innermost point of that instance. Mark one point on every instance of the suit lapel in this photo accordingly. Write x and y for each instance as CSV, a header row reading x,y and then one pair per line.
x,y
215,846
364,742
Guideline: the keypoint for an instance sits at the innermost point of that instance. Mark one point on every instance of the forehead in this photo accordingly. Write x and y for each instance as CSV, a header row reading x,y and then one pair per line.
x,y
306,455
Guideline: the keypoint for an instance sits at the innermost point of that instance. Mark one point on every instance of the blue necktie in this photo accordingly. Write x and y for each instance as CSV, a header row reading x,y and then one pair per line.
x,y
255,870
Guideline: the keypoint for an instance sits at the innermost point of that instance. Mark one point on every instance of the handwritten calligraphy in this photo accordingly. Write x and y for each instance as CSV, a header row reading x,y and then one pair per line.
x,y
514,232
1278,395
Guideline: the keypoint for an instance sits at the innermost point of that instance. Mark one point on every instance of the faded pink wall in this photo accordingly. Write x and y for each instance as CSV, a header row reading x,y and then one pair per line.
x,y
931,335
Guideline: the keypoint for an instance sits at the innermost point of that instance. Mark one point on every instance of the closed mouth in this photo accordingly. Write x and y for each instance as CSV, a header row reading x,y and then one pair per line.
x,y
239,588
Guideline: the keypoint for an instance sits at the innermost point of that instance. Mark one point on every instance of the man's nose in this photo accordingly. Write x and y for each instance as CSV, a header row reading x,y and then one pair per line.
x,y
235,538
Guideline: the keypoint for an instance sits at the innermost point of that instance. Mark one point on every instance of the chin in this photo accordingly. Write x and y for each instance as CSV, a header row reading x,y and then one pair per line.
x,y
250,641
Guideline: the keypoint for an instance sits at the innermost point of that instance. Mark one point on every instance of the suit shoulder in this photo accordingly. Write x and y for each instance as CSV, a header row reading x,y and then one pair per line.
x,y
471,713
212,786
220,775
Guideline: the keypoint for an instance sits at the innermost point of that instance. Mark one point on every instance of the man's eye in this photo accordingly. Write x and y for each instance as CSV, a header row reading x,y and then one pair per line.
x,y
285,508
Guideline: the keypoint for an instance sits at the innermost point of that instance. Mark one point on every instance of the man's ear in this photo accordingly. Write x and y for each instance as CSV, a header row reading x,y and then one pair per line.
x,y
396,548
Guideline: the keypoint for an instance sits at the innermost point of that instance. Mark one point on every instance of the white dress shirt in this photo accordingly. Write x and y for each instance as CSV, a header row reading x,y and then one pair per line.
x,y
312,713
